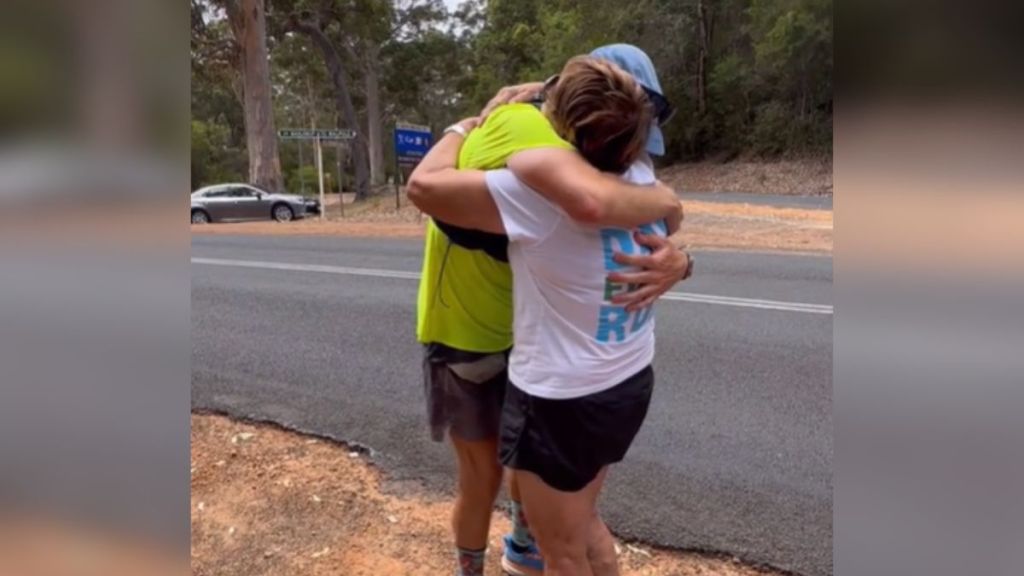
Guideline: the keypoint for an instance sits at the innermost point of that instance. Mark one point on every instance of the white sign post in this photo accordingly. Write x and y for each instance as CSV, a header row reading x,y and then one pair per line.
x,y
320,171
316,136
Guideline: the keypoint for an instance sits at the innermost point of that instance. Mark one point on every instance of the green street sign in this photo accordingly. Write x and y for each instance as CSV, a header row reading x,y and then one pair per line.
x,y
307,134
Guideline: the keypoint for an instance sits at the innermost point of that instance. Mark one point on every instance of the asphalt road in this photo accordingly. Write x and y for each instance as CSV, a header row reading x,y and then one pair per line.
x,y
316,334
823,202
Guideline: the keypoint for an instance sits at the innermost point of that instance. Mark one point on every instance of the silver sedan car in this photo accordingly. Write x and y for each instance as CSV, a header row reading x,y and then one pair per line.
x,y
225,202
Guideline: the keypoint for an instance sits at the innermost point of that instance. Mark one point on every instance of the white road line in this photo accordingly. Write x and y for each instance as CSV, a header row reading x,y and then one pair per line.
x,y
379,273
748,302
309,268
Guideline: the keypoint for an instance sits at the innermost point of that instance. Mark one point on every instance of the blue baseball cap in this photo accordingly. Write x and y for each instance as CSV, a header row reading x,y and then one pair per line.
x,y
639,65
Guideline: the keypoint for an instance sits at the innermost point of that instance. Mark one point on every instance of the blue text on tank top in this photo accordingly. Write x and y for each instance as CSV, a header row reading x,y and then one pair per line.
x,y
614,323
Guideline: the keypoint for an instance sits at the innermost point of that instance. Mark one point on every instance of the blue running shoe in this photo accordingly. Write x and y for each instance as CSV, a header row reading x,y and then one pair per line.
x,y
526,562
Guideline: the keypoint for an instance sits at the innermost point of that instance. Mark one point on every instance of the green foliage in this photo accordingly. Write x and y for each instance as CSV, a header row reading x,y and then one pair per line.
x,y
772,130
769,76
768,69
296,177
213,157
792,42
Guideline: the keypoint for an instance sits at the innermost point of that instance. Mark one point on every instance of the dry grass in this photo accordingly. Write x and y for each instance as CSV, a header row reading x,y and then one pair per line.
x,y
708,224
749,227
271,502
799,177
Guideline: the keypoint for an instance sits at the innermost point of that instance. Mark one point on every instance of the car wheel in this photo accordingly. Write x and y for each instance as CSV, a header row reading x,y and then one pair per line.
x,y
200,217
282,213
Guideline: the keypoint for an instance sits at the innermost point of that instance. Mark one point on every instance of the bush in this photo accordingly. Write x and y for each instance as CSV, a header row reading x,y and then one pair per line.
x,y
293,182
773,128
213,159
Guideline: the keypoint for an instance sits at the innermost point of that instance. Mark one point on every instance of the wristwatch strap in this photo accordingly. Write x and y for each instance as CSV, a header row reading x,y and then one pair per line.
x,y
457,128
689,266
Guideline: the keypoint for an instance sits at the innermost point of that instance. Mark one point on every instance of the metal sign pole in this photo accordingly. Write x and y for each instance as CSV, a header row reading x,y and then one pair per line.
x,y
341,180
320,171
302,177
398,175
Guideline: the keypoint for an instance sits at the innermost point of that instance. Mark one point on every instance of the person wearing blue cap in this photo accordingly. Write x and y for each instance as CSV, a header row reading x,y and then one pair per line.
x,y
636,62
630,59
556,430
464,308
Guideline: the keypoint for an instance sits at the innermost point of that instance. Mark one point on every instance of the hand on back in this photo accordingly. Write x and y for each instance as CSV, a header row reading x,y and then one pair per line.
x,y
511,95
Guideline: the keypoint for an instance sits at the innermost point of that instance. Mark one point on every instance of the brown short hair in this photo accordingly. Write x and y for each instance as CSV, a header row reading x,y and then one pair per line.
x,y
602,110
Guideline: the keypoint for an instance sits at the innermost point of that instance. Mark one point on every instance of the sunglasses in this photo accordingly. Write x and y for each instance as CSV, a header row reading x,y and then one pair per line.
x,y
663,109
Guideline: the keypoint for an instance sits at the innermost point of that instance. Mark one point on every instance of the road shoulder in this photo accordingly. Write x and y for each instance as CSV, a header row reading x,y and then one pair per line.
x,y
270,501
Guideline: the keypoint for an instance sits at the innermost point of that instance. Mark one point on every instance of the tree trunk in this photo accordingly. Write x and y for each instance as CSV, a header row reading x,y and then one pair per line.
x,y
804,89
702,55
248,22
374,131
342,100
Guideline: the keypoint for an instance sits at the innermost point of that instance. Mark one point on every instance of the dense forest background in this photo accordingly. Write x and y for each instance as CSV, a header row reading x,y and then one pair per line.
x,y
750,78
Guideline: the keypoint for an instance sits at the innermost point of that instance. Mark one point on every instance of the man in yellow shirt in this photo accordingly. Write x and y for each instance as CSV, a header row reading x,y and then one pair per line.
x,y
464,312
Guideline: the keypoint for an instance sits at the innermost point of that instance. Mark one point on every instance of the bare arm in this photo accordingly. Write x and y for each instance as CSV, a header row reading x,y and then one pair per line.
x,y
458,197
591,196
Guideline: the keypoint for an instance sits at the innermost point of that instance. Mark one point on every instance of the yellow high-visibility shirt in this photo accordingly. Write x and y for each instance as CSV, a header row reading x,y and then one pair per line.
x,y
465,296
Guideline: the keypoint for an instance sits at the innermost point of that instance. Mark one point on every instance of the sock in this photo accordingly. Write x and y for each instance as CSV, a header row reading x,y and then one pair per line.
x,y
520,529
470,562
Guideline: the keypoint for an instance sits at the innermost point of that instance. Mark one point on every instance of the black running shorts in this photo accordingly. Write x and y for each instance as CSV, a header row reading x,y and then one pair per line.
x,y
567,442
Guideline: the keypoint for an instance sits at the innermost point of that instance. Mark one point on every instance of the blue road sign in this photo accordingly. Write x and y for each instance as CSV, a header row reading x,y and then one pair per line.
x,y
412,142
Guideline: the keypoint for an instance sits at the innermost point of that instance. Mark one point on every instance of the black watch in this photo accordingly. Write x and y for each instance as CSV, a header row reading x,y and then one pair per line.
x,y
689,266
